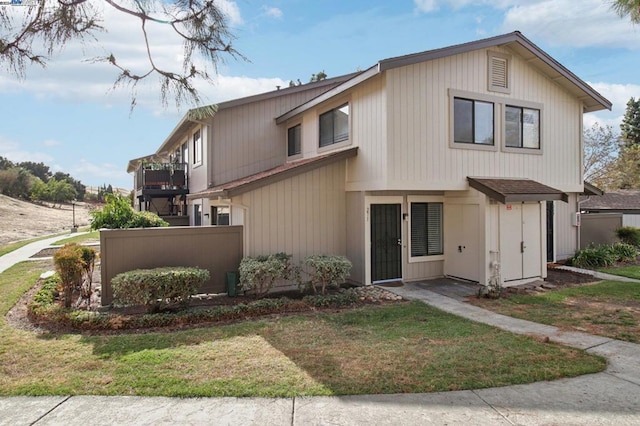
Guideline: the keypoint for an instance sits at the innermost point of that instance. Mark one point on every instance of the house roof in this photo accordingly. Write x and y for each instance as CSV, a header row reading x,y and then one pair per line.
x,y
287,170
508,190
590,189
593,101
620,200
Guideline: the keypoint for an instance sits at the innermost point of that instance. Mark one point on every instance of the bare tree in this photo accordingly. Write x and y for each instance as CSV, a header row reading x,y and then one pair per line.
x,y
32,34
630,8
600,155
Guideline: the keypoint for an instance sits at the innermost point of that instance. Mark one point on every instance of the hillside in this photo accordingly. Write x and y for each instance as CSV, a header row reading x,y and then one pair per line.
x,y
21,220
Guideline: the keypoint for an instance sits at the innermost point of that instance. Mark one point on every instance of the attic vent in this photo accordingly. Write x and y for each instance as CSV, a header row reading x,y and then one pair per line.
x,y
498,73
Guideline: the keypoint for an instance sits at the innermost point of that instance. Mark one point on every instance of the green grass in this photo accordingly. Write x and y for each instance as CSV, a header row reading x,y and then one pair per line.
x,y
79,239
624,271
406,347
607,308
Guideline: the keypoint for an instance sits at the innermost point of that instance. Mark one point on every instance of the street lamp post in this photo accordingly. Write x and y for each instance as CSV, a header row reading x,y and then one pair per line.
x,y
73,210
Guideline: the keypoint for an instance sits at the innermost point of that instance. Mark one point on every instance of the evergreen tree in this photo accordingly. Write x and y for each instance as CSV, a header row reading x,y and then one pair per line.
x,y
630,127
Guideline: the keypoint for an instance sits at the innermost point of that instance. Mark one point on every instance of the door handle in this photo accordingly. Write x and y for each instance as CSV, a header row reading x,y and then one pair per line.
x,y
399,242
522,247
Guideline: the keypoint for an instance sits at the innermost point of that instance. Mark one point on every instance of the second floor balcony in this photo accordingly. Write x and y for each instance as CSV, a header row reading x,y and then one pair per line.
x,y
162,177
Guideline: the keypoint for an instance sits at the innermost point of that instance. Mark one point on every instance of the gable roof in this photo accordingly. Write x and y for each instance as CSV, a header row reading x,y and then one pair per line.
x,y
506,190
287,170
593,101
620,200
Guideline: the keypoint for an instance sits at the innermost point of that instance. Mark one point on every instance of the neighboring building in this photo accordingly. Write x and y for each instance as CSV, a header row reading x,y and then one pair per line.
x,y
625,201
464,161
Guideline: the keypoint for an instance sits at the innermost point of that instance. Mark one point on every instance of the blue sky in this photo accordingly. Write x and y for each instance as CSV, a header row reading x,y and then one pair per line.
x,y
68,116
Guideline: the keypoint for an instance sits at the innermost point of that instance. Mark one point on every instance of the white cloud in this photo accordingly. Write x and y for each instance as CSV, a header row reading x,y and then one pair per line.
x,y
231,9
426,6
273,12
17,154
619,95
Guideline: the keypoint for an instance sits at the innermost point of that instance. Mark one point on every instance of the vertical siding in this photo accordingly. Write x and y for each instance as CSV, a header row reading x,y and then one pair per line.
x,y
246,140
355,238
565,234
302,215
419,126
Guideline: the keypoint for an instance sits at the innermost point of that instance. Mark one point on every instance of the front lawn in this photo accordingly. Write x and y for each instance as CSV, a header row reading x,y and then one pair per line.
x,y
607,308
624,271
405,347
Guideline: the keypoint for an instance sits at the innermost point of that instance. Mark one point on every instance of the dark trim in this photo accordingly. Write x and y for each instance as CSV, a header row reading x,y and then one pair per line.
x,y
539,192
590,189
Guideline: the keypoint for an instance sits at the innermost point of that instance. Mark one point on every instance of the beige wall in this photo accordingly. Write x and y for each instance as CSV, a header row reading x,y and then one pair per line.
x,y
355,235
302,215
217,249
245,140
565,232
419,126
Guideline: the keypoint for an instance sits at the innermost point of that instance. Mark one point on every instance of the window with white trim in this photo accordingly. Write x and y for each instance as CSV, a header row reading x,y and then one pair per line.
x,y
197,148
473,122
294,140
522,127
426,229
334,126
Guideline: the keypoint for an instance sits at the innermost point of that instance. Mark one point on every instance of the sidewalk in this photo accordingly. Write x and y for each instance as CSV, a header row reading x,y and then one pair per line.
x,y
610,397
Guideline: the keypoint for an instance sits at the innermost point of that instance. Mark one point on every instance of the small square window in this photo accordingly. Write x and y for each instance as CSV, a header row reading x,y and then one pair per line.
x,y
473,122
334,126
294,140
220,215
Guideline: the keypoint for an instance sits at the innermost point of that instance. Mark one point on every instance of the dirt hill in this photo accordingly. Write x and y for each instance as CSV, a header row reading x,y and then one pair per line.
x,y
21,220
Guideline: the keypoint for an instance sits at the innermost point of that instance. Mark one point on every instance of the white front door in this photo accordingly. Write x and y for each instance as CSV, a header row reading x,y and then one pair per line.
x,y
462,241
520,241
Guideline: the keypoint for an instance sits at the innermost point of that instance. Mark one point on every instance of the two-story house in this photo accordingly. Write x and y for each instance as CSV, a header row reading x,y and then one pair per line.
x,y
464,161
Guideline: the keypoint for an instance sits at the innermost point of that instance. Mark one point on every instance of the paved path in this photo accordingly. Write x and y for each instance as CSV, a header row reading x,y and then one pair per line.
x,y
608,398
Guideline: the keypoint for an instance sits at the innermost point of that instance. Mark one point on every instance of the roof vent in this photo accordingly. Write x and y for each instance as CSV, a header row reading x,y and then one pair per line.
x,y
498,73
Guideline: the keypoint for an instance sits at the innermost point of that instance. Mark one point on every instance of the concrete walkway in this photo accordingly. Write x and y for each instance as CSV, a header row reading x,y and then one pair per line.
x,y
608,398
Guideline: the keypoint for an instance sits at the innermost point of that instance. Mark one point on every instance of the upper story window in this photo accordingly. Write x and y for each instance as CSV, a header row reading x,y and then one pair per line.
x,y
522,127
334,126
294,140
473,121
197,148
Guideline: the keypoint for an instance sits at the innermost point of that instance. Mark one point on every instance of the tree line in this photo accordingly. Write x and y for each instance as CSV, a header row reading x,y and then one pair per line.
x,y
612,159
35,182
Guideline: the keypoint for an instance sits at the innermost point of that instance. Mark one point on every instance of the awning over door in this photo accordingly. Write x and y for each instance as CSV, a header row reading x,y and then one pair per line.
x,y
507,190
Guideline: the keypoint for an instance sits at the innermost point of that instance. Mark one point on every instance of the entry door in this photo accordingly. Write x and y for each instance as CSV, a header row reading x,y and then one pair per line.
x,y
462,241
550,252
520,244
386,240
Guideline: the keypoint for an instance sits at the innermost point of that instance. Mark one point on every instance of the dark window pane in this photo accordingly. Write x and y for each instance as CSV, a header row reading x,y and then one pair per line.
x,y
463,120
334,126
434,228
426,229
326,129
294,145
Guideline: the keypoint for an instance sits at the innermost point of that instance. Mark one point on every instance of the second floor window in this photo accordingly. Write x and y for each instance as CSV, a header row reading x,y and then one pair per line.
x,y
334,126
473,122
294,140
197,148
522,127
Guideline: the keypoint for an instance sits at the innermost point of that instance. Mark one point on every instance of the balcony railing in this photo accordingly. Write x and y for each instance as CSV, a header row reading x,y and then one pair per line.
x,y
167,176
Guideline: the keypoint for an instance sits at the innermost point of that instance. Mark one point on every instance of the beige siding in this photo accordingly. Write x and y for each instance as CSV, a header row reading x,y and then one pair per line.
x,y
302,215
419,126
565,233
355,238
245,139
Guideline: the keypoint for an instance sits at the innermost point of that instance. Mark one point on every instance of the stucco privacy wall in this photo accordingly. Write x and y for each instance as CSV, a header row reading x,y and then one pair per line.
x,y
217,249
301,215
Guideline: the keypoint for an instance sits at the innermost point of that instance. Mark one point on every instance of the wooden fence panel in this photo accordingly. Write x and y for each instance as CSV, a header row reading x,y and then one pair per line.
x,y
215,248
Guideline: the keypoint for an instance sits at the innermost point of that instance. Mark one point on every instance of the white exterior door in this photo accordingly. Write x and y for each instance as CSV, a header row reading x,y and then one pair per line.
x,y
520,241
462,241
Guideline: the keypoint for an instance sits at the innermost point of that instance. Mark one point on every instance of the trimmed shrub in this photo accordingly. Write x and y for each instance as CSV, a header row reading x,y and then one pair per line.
x,y
258,274
118,214
625,252
158,289
326,271
69,265
629,235
346,298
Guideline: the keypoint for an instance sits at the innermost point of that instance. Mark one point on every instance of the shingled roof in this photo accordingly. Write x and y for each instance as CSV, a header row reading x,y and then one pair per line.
x,y
506,190
615,201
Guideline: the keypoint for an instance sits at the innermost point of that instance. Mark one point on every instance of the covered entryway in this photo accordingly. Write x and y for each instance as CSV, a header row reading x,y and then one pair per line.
x,y
386,242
